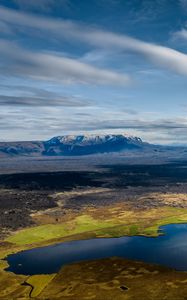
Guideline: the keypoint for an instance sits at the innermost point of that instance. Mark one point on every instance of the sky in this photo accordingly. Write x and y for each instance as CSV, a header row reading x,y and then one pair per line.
x,y
97,66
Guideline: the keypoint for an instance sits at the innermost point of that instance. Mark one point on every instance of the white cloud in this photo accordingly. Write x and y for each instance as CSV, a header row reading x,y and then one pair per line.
x,y
45,66
160,55
43,122
182,34
165,57
15,17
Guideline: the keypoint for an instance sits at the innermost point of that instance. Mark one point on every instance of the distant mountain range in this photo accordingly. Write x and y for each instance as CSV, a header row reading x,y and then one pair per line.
x,y
69,145
72,145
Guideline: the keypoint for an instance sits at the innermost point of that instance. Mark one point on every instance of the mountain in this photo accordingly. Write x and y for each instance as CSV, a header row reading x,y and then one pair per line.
x,y
90,144
69,145
21,148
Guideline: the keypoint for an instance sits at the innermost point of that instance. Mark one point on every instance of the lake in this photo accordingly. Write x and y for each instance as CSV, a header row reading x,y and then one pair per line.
x,y
169,249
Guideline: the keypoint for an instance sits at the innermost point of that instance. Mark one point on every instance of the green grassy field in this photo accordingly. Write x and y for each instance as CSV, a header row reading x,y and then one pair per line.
x,y
95,222
112,225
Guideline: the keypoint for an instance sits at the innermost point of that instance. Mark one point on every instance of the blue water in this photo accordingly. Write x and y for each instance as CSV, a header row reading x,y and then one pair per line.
x,y
169,250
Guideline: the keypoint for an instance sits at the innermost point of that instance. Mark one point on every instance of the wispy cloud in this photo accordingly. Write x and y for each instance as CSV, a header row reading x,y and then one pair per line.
x,y
51,54
45,66
182,34
162,56
29,96
66,101
19,18
40,5
54,121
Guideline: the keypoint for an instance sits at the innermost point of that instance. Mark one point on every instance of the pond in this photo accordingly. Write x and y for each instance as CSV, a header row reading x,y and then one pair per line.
x,y
169,249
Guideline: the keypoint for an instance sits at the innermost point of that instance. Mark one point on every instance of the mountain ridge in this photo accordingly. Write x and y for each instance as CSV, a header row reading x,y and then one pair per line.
x,y
90,144
69,145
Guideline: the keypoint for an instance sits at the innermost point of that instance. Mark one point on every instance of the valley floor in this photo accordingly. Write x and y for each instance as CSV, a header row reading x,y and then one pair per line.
x,y
45,208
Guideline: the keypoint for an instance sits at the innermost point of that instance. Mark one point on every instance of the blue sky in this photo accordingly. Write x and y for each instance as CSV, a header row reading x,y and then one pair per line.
x,y
97,66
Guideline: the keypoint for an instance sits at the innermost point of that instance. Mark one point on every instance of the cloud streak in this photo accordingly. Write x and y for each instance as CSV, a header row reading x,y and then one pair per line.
x,y
91,59
65,101
45,66
162,56
52,122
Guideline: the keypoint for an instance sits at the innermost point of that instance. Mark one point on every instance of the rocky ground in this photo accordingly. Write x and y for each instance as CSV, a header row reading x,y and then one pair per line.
x,y
17,205
105,200
138,186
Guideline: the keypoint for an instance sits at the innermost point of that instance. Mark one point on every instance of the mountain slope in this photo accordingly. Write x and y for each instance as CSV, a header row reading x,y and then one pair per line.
x,y
73,145
84,145
21,148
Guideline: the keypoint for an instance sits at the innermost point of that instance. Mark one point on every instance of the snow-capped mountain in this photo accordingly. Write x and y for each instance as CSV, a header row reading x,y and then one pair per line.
x,y
89,144
91,139
74,145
